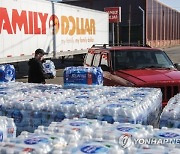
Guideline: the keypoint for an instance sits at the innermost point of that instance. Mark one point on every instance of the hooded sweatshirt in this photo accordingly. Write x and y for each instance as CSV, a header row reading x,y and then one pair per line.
x,y
35,73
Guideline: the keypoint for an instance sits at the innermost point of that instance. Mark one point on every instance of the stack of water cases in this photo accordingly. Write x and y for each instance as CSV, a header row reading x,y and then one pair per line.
x,y
7,73
133,105
170,116
7,128
75,77
32,105
49,68
74,136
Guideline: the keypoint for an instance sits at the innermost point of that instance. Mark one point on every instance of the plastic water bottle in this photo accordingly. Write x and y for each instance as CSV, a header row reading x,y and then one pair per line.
x,y
1,106
7,129
11,128
3,130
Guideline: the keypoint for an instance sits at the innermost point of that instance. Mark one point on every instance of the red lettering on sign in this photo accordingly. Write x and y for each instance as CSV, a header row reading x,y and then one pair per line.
x,y
4,21
20,21
37,30
43,19
30,22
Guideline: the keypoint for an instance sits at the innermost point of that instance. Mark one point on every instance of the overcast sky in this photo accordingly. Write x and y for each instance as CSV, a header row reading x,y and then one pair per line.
x,y
172,3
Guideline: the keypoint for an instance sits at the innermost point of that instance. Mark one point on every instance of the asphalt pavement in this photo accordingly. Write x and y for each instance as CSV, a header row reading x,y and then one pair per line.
x,y
22,68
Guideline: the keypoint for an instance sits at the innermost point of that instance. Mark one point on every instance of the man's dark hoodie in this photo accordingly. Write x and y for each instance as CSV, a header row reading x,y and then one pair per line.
x,y
36,73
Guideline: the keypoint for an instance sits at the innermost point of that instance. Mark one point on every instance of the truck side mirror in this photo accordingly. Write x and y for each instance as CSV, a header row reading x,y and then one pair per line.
x,y
105,68
177,65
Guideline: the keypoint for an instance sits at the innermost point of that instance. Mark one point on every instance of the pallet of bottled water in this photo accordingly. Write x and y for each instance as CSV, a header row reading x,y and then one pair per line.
x,y
93,136
82,76
126,104
7,128
32,105
7,73
170,116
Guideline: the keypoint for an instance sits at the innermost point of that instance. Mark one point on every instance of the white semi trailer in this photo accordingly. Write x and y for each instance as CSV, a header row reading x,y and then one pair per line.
x,y
59,29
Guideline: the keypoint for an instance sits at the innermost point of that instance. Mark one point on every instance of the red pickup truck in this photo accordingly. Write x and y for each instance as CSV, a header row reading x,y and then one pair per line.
x,y
136,67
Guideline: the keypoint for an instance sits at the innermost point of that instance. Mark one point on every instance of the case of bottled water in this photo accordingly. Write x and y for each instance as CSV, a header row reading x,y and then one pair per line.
x,y
82,76
135,105
31,104
41,142
83,128
7,73
13,148
93,147
170,136
114,132
49,68
170,116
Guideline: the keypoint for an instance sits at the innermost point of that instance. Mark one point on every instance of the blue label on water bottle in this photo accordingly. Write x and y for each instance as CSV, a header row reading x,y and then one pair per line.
x,y
125,100
139,95
77,78
1,136
126,129
114,105
78,123
3,93
94,149
36,140
17,116
85,97
68,103
84,91
111,93
169,135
